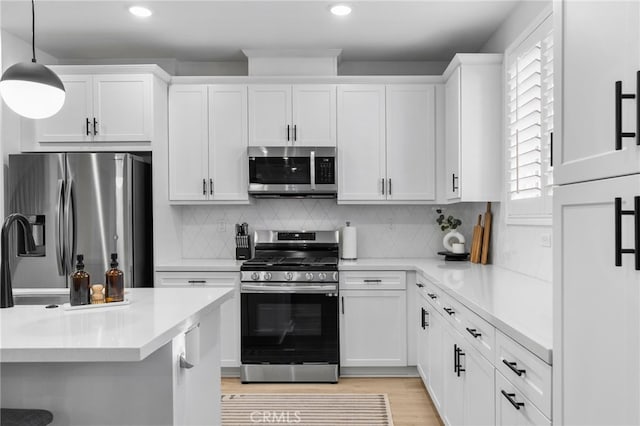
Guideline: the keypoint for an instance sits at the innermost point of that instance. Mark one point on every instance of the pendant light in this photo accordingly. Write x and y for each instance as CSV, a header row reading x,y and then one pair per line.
x,y
30,89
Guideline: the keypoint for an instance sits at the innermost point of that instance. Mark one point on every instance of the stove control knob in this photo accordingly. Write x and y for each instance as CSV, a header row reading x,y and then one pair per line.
x,y
267,276
288,276
255,276
335,276
322,276
308,276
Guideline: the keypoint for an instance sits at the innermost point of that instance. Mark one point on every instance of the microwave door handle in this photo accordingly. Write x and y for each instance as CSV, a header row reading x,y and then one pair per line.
x,y
312,160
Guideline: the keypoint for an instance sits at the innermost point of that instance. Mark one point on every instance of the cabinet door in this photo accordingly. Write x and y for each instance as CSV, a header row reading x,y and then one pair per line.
x,y
123,108
436,360
270,115
585,88
478,399
452,135
453,384
596,305
314,115
411,166
70,123
361,143
526,414
188,143
228,174
373,328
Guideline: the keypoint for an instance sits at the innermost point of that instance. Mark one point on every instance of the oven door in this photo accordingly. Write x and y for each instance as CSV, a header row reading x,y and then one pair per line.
x,y
289,328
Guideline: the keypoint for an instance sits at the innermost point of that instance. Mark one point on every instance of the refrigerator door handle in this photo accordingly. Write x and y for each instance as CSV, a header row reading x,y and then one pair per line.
x,y
70,225
60,228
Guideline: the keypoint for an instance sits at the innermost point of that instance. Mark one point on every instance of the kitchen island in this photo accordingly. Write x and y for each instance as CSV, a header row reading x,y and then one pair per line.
x,y
117,365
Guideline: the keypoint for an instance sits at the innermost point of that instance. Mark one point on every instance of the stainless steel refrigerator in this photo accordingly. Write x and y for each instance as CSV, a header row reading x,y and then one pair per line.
x,y
93,204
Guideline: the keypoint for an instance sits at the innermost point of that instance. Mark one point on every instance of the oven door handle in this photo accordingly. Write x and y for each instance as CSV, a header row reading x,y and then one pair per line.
x,y
251,288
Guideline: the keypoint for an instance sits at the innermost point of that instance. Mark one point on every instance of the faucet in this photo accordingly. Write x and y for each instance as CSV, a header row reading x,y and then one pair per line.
x,y
6,292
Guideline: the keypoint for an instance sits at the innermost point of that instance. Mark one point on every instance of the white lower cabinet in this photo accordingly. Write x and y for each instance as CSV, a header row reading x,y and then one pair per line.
x,y
460,358
230,310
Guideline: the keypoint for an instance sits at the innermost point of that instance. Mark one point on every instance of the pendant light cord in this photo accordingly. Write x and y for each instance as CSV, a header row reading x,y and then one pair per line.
x,y
33,30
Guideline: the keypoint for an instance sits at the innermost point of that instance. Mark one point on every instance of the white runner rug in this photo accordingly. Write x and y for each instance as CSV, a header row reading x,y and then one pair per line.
x,y
305,409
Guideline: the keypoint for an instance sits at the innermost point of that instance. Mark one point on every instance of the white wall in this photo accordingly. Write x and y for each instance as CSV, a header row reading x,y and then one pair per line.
x,y
518,247
12,50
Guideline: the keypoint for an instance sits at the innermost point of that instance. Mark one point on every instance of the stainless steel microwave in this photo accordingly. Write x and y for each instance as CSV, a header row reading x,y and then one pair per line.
x,y
292,171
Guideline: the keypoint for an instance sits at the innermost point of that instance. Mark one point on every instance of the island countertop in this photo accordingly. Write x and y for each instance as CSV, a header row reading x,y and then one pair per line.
x,y
120,333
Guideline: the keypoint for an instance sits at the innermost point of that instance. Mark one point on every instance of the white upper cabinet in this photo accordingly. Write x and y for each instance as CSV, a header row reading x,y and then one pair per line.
x,y
410,145
585,140
361,146
208,143
298,115
386,146
473,136
102,108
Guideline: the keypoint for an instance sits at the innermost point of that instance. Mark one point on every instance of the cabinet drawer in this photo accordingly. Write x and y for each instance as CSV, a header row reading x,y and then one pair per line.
x,y
453,312
480,333
506,412
434,295
190,279
370,280
528,373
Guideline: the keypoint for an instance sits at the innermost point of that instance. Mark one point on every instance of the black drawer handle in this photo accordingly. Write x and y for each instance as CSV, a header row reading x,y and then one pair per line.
x,y
512,366
459,353
510,397
474,332
619,97
196,281
372,281
449,311
425,315
432,296
420,285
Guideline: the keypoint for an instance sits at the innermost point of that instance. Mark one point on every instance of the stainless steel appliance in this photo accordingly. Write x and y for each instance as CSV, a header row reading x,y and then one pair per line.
x,y
89,203
289,308
292,172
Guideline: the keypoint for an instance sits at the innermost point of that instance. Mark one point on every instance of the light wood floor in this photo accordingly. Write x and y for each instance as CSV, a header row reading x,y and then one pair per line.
x,y
410,402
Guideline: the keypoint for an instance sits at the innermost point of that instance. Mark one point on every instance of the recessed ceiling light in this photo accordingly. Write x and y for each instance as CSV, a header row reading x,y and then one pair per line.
x,y
341,10
139,11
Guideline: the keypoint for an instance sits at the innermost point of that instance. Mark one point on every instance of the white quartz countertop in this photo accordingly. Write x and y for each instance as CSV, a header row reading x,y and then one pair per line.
x,y
200,265
119,333
518,305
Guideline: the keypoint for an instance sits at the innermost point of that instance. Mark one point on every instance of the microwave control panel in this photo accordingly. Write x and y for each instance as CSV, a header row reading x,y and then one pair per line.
x,y
325,170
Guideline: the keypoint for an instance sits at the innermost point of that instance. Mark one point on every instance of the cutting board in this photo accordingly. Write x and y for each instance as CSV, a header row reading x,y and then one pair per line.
x,y
486,236
476,243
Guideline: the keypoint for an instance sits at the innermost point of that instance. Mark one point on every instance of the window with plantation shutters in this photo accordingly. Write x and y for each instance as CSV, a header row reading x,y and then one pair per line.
x,y
529,125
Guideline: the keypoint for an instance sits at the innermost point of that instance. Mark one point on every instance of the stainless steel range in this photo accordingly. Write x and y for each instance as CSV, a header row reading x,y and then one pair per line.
x,y
289,308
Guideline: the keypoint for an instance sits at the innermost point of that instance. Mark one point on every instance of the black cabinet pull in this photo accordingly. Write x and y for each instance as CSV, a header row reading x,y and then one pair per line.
x,y
551,149
420,285
619,97
454,178
510,397
382,186
619,251
474,332
288,132
295,132
460,353
95,126
449,311
196,281
211,186
432,296
389,186
342,300
513,367
204,187
455,358
424,319
88,132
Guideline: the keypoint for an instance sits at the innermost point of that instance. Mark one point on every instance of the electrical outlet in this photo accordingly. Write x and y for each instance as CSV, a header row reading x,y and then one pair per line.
x,y
545,240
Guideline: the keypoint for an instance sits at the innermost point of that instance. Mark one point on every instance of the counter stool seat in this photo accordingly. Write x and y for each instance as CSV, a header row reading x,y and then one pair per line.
x,y
24,417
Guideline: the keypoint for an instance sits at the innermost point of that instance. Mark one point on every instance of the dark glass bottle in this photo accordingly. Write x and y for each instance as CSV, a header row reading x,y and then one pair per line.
x,y
80,283
114,282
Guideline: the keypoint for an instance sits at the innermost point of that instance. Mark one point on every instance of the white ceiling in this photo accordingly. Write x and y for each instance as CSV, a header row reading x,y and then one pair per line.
x,y
425,30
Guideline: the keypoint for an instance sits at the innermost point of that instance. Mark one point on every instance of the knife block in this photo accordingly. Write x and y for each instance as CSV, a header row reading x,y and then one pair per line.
x,y
243,247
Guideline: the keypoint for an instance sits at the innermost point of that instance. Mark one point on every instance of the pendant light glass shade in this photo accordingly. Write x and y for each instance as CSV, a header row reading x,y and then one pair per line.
x,y
32,90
